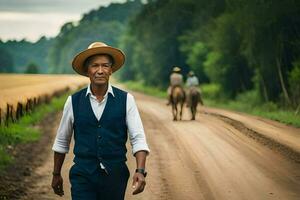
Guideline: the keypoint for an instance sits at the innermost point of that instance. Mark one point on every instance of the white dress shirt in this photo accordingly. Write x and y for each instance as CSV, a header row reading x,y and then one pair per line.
x,y
134,124
192,81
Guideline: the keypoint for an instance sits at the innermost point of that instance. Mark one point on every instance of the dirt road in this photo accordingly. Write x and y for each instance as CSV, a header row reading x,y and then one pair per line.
x,y
204,159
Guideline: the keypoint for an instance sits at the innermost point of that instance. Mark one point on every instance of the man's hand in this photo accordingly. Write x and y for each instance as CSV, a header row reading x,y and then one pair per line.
x,y
138,183
57,185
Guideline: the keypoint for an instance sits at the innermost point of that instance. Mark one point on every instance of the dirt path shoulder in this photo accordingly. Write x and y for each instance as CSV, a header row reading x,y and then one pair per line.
x,y
23,174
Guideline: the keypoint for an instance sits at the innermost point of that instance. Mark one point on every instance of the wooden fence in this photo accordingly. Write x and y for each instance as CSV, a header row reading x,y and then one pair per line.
x,y
19,94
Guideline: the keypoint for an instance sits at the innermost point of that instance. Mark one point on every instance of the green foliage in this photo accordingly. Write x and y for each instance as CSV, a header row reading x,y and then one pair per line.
x,y
250,103
16,133
196,56
54,55
284,116
128,45
230,43
225,65
140,87
23,52
153,42
32,68
213,67
239,45
211,91
250,98
5,159
6,61
114,12
105,24
294,81
270,32
74,39
24,130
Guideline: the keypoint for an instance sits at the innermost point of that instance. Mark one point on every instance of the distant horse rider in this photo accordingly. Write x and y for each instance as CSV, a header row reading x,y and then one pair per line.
x,y
176,79
192,83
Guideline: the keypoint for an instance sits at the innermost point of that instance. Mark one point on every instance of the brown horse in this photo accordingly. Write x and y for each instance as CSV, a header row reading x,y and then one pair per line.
x,y
195,97
177,97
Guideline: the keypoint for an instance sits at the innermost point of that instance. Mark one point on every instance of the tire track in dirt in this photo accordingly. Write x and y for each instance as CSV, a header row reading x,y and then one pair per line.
x,y
230,165
283,149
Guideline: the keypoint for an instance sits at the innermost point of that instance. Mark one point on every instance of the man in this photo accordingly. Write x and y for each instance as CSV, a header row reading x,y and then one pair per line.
x,y
192,82
100,116
176,79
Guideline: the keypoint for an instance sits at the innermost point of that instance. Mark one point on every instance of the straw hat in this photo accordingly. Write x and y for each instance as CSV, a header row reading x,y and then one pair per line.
x,y
98,48
176,69
191,73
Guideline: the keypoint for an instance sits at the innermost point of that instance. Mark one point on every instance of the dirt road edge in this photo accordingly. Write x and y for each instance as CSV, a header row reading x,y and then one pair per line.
x,y
272,144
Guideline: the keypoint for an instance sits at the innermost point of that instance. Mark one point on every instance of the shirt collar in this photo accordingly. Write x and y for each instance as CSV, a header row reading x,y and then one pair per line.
x,y
109,90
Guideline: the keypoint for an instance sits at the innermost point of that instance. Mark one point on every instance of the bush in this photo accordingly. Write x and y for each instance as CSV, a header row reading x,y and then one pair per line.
x,y
140,87
269,106
294,81
32,68
251,98
210,91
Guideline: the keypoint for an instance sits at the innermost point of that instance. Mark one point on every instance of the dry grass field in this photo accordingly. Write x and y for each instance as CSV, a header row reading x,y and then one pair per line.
x,y
19,93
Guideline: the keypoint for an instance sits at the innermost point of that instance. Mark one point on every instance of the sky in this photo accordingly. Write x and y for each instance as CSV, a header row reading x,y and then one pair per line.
x,y
31,19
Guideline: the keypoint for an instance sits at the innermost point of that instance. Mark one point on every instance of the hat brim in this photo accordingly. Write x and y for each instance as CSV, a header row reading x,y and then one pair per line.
x,y
117,55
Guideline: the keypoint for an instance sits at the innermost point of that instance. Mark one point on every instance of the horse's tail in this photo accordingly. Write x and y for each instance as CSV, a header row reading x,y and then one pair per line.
x,y
183,95
195,96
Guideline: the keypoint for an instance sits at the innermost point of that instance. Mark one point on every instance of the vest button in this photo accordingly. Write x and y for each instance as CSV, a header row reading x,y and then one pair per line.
x,y
99,126
99,136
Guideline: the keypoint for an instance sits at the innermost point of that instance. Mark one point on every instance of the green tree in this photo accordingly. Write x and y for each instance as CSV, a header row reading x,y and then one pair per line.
x,y
6,61
154,44
269,31
294,80
228,67
24,52
196,56
32,68
105,24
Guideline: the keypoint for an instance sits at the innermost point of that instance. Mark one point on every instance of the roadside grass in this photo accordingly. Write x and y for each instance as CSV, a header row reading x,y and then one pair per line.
x,y
246,103
140,87
24,130
283,116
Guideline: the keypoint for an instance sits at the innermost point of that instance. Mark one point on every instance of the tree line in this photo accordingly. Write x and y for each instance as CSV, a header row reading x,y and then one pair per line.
x,y
240,45
244,47
24,56
54,55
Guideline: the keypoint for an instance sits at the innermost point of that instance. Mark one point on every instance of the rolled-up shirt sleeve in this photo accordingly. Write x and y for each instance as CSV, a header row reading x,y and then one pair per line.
x,y
65,129
135,127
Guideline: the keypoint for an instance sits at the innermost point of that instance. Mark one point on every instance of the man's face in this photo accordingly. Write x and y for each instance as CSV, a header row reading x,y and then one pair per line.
x,y
99,70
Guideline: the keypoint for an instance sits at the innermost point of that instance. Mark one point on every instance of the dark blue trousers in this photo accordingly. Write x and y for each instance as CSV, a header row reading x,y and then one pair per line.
x,y
99,185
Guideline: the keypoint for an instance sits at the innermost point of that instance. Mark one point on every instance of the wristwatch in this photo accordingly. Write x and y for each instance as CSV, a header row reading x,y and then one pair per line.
x,y
141,171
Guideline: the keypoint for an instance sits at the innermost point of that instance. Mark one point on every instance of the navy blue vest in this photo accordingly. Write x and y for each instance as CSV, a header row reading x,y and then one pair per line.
x,y
99,141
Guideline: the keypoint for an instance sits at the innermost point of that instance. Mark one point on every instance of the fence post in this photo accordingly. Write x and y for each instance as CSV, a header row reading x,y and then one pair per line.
x,y
7,115
19,112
